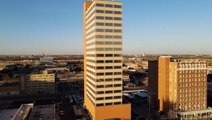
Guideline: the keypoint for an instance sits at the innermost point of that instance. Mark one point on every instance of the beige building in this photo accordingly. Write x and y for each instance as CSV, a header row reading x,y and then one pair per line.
x,y
38,83
103,60
178,85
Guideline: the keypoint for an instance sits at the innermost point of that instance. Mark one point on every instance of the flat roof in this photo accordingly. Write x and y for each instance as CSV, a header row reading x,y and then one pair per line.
x,y
43,112
142,94
7,114
210,86
23,112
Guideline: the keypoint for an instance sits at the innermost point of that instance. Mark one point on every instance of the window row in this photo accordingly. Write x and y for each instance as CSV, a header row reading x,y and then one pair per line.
x,y
108,92
107,104
192,71
104,43
104,24
108,5
104,61
193,75
104,80
108,18
104,73
103,86
108,12
200,94
109,86
104,37
104,67
104,49
104,55
191,90
105,30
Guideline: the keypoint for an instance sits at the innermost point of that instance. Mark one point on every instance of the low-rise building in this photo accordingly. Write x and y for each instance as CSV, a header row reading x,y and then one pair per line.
x,y
38,83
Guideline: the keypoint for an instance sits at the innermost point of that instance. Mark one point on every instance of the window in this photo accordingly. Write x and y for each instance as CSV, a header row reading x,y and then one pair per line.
x,y
100,36
108,98
117,85
100,55
109,61
100,104
100,5
109,55
100,98
117,79
117,24
118,31
117,61
117,49
100,43
117,73
100,67
108,92
100,86
109,79
116,103
100,61
100,17
117,97
108,18
109,104
117,6
117,55
100,30
117,18
99,24
117,43
108,36
99,49
108,5
108,30
99,74
100,92
108,49
117,12
108,73
108,85
108,24
117,67
109,12
117,91
99,11
108,43
108,67
117,37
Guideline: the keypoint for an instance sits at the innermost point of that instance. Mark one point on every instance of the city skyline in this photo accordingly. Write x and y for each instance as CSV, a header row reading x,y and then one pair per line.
x,y
152,27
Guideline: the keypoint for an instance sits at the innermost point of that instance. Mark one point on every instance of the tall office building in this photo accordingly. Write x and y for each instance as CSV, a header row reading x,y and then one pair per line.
x,y
178,85
103,60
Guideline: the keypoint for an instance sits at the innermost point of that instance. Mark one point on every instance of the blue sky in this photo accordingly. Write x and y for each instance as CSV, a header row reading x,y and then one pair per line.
x,y
150,26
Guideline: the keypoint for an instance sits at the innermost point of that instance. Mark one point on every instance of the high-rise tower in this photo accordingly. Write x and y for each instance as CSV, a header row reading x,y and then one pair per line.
x,y
103,60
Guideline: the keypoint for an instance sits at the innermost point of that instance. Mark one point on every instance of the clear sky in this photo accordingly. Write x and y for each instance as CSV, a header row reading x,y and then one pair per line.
x,y
150,26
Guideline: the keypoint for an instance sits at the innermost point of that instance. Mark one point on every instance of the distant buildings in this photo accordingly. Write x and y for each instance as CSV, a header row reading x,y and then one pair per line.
x,y
38,83
178,85
46,60
9,90
103,60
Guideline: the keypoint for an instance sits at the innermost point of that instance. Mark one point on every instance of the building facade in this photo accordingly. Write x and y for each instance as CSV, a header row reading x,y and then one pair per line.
x,y
103,60
178,85
38,83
